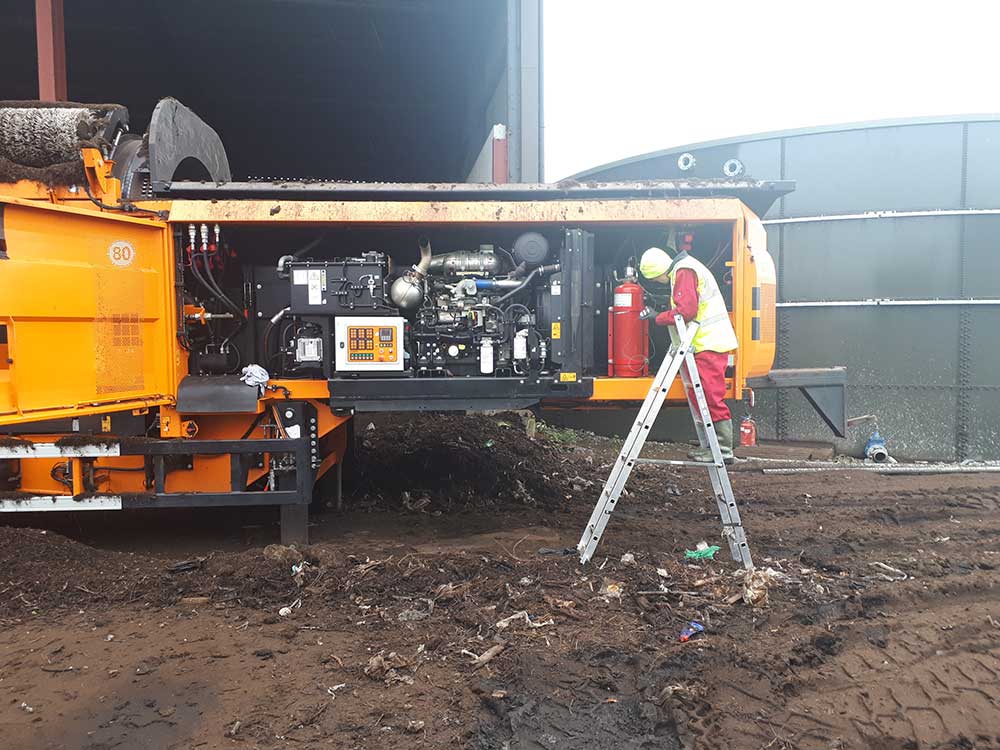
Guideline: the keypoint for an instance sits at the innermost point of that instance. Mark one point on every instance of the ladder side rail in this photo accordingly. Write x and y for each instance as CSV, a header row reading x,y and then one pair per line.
x,y
626,460
732,524
622,469
728,513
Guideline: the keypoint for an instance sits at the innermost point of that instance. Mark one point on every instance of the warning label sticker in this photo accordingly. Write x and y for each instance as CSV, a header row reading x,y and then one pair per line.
x,y
317,285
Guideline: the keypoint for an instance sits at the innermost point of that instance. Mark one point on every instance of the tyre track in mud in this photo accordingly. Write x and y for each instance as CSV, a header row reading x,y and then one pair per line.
x,y
847,654
898,665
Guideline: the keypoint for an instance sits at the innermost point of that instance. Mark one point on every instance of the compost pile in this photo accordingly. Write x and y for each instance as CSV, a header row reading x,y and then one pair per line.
x,y
441,462
43,572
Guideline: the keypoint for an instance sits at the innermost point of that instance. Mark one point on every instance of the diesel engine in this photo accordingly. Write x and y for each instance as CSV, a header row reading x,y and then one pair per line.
x,y
483,312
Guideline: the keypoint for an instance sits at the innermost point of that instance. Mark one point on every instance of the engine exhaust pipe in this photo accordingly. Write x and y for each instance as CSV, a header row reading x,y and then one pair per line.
x,y
425,257
407,292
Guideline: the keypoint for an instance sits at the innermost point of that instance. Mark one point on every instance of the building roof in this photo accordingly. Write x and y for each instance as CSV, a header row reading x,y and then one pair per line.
x,y
791,133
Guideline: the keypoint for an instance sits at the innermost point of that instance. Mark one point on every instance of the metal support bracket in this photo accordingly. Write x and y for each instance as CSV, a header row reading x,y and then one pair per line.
x,y
823,387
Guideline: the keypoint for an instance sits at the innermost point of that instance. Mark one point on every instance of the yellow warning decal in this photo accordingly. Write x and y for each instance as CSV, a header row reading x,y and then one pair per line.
x,y
556,330
567,377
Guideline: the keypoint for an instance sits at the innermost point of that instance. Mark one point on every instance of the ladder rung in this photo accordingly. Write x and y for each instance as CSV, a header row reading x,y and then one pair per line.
x,y
679,361
669,462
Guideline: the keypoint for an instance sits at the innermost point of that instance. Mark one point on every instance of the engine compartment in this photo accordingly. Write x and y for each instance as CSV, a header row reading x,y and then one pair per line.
x,y
524,305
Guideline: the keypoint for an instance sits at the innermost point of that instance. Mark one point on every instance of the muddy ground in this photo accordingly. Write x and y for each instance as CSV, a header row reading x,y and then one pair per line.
x,y
427,617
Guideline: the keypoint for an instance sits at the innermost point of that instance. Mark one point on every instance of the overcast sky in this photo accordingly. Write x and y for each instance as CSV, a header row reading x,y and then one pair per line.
x,y
624,77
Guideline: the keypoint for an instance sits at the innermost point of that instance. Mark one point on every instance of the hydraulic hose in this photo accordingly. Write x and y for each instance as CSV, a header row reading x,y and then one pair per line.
x,y
123,205
208,280
241,324
540,271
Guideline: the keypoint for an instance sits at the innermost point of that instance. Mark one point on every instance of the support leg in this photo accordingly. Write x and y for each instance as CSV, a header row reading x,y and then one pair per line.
x,y
295,524
51,39
337,501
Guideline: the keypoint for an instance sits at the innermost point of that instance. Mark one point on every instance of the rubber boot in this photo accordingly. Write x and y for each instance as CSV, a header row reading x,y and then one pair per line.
x,y
724,432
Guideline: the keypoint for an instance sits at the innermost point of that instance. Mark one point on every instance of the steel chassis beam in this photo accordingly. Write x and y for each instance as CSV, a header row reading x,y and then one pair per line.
x,y
294,488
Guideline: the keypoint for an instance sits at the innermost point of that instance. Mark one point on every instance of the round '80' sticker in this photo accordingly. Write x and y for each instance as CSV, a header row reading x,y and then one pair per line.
x,y
121,253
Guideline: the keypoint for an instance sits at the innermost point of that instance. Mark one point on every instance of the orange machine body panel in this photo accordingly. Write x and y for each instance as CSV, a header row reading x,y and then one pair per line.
x,y
114,315
90,311
87,301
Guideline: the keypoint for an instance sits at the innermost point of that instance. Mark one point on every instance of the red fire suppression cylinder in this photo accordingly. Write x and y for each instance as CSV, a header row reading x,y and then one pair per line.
x,y
628,335
748,432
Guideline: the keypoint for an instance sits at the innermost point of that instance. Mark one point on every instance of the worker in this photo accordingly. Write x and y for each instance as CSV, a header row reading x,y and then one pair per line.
x,y
696,297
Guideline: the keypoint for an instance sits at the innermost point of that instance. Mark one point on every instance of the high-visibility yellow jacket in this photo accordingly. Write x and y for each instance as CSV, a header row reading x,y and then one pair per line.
x,y
715,333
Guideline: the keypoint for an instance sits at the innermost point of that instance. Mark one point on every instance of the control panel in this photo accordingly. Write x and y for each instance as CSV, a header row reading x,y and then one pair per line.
x,y
369,344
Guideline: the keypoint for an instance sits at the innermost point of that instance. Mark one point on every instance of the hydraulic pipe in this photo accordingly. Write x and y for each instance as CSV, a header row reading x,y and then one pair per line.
x,y
541,270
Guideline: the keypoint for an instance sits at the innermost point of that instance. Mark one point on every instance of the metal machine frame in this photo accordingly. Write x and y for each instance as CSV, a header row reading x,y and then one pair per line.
x,y
101,272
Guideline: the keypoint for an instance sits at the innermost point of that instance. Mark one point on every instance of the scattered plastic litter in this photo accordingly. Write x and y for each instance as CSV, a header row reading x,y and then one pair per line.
x,y
756,585
332,691
611,589
702,552
299,573
896,573
690,631
285,611
628,559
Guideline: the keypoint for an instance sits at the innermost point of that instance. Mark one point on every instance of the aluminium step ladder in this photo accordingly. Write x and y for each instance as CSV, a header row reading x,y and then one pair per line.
x,y
679,360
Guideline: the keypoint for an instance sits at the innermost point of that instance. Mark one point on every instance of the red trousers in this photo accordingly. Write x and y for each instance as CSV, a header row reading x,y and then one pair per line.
x,y
712,371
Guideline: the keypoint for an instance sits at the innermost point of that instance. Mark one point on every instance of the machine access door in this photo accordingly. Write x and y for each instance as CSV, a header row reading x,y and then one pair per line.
x,y
87,315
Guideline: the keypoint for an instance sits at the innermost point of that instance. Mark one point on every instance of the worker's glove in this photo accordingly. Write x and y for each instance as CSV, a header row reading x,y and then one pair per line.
x,y
647,313
666,318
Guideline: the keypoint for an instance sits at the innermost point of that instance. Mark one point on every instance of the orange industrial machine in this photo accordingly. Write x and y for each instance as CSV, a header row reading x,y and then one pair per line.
x,y
177,342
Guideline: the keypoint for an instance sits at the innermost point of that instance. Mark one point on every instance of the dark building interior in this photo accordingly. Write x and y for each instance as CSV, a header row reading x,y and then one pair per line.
x,y
335,89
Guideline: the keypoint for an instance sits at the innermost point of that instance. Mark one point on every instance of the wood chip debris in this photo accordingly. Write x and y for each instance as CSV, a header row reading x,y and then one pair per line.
x,y
523,615
487,656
